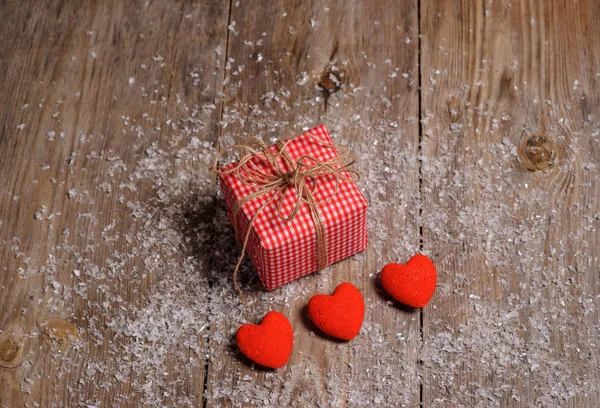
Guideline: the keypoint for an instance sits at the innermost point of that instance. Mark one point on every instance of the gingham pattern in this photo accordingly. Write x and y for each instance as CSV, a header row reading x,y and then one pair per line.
x,y
285,251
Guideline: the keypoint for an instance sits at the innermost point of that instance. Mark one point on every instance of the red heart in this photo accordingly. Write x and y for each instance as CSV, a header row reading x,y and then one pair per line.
x,y
339,315
412,283
269,343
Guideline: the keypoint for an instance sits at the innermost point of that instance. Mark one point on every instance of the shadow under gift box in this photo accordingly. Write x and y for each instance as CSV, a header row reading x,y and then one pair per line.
x,y
283,251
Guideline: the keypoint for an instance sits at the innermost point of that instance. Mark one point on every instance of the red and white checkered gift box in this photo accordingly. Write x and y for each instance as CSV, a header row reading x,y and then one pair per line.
x,y
283,251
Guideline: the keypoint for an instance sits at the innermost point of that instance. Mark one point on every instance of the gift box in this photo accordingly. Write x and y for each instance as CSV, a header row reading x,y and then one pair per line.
x,y
294,233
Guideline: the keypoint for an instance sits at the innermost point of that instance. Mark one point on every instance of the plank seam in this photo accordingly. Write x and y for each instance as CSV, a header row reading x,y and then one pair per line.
x,y
210,262
420,152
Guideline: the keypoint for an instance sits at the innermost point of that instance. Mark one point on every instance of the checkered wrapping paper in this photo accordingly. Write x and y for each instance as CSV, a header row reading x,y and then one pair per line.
x,y
284,251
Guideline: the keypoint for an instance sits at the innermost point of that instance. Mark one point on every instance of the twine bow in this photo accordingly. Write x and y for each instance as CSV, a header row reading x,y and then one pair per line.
x,y
275,172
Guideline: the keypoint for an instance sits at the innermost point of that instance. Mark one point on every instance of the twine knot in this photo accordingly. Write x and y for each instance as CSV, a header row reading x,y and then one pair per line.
x,y
289,179
275,172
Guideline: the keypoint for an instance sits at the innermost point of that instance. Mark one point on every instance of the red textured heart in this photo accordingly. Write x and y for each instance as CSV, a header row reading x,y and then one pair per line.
x,y
269,343
412,283
339,315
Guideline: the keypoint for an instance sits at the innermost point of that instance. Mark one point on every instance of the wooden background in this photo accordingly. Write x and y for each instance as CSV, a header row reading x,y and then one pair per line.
x,y
476,125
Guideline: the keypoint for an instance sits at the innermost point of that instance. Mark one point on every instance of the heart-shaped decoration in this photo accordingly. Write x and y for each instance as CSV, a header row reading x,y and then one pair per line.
x,y
269,343
412,283
339,315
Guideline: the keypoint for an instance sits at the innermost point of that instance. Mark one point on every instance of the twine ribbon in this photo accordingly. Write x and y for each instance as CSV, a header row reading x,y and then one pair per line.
x,y
260,168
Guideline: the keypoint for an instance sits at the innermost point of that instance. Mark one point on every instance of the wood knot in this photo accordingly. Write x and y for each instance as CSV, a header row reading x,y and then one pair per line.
x,y
453,109
12,350
538,152
59,330
9,349
332,80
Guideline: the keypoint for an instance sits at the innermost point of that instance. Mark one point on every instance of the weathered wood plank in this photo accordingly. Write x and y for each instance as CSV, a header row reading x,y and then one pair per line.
x,y
284,60
510,107
104,199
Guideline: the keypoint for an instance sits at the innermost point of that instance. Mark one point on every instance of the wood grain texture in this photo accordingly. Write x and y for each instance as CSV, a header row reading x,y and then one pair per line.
x,y
510,202
294,65
87,88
